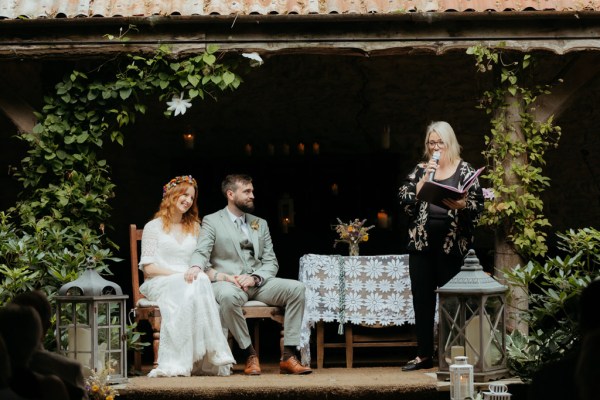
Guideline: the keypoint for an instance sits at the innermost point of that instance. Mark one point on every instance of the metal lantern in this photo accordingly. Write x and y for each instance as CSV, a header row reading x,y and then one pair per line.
x,y
472,321
90,322
461,379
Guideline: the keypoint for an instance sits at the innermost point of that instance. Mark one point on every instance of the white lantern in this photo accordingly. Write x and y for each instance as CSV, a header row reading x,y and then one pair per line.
x,y
461,379
90,322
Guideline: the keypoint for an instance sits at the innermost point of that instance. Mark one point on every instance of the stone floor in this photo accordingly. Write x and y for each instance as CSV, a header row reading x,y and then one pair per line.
x,y
374,376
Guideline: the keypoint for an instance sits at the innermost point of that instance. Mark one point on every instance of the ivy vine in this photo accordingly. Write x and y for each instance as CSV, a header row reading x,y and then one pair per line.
x,y
63,211
515,150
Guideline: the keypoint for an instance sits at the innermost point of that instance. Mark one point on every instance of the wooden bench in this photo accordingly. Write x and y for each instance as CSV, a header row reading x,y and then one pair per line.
x,y
145,310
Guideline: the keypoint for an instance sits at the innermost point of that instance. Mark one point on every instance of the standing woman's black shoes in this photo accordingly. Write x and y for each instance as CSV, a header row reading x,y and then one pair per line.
x,y
417,363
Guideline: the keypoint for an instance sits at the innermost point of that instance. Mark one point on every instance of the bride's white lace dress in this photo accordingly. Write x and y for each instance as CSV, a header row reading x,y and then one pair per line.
x,y
192,341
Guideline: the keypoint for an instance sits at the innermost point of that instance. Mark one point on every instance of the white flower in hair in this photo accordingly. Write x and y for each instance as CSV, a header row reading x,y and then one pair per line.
x,y
256,60
178,105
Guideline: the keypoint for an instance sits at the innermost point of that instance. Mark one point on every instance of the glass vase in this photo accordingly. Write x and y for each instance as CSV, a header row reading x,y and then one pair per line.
x,y
353,248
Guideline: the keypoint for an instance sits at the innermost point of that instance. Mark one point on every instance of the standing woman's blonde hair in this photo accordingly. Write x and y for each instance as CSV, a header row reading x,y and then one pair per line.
x,y
446,133
171,191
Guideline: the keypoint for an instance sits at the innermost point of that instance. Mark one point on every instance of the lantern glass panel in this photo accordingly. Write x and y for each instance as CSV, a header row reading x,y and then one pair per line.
x,y
494,309
74,332
115,363
450,324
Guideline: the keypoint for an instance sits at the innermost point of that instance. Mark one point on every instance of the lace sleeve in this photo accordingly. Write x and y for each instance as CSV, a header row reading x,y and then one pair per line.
x,y
149,243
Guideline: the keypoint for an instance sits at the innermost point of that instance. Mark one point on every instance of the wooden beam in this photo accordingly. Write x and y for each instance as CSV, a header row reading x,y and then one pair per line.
x,y
576,77
19,88
18,111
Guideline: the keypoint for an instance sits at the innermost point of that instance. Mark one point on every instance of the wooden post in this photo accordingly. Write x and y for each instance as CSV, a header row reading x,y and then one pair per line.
x,y
506,256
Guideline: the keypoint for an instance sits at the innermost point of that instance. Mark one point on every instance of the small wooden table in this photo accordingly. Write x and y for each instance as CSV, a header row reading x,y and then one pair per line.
x,y
372,291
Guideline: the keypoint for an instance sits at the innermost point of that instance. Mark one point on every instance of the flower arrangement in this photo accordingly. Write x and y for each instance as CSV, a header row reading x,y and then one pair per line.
x,y
98,388
352,233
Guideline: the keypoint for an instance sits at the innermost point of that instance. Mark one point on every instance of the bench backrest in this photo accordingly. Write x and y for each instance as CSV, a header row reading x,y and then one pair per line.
x,y
135,237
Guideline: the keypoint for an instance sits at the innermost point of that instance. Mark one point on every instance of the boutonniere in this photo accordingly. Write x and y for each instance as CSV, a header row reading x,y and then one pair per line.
x,y
254,224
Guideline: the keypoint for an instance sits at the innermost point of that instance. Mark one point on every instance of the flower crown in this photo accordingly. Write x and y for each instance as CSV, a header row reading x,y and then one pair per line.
x,y
176,181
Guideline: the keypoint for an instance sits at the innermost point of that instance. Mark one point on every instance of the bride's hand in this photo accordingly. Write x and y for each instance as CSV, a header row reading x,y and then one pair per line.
x,y
191,274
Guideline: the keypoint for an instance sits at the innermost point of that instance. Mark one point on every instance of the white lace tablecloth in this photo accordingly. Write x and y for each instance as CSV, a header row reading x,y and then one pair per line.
x,y
359,290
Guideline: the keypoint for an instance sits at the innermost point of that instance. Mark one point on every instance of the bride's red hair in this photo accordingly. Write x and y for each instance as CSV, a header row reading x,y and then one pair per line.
x,y
190,220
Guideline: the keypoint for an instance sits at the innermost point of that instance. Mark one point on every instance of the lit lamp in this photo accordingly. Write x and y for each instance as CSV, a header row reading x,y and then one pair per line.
x,y
188,140
472,320
383,219
286,212
335,189
461,379
90,320
316,148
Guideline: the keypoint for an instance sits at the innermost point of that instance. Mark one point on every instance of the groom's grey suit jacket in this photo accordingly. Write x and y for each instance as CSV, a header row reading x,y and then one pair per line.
x,y
219,247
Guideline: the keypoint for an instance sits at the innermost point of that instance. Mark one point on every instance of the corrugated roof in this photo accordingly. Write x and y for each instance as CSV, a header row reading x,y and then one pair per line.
x,y
35,9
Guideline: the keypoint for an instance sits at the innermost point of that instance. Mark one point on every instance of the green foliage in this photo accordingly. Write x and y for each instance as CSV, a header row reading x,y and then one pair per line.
x,y
515,151
134,338
554,289
60,218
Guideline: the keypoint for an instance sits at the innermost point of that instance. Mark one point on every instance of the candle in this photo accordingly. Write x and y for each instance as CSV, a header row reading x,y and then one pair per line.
x,y
248,149
188,140
286,149
382,219
464,387
456,351
472,334
284,224
301,148
80,344
334,189
271,149
316,148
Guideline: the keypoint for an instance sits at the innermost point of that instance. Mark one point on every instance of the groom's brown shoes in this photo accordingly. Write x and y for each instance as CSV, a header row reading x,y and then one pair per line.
x,y
293,366
252,366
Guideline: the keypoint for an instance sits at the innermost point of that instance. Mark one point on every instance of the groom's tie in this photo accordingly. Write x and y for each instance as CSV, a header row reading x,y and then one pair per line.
x,y
238,224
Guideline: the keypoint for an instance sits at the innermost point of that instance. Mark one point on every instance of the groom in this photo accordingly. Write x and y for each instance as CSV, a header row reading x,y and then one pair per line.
x,y
237,246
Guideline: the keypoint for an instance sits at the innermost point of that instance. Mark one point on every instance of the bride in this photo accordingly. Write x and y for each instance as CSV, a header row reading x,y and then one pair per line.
x,y
191,338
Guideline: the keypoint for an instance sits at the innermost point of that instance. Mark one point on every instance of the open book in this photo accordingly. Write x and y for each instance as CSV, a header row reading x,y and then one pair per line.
x,y
434,192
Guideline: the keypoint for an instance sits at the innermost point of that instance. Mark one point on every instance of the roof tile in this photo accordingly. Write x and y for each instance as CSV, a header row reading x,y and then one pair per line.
x,y
34,9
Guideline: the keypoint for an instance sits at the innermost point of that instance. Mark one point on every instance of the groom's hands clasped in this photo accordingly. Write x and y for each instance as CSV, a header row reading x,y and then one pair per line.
x,y
245,281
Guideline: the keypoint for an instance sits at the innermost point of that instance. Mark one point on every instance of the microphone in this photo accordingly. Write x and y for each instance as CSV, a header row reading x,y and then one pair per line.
x,y
435,157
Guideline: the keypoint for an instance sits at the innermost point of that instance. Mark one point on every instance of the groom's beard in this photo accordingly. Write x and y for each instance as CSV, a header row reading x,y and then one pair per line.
x,y
246,207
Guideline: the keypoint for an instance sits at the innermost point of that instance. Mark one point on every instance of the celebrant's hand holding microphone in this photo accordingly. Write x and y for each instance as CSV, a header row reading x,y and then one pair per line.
x,y
433,164
430,169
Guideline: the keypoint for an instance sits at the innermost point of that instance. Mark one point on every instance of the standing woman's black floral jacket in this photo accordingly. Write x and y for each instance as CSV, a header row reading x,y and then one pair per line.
x,y
462,222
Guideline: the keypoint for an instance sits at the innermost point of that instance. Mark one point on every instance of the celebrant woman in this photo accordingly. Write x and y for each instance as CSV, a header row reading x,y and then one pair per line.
x,y
438,236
